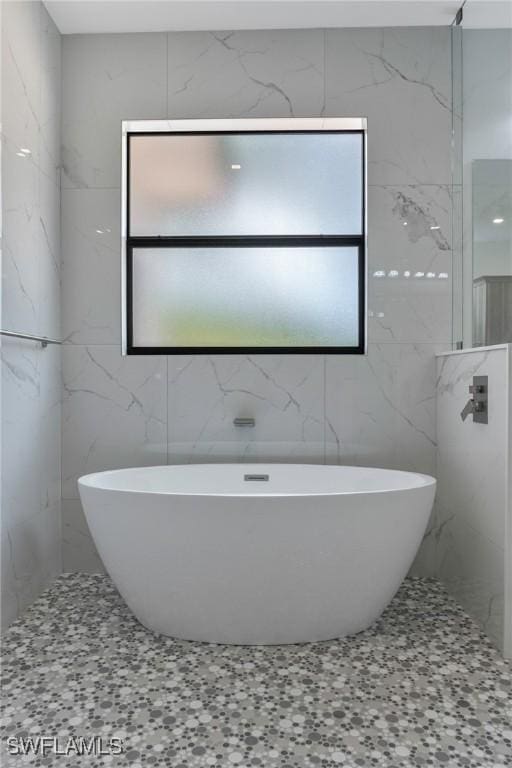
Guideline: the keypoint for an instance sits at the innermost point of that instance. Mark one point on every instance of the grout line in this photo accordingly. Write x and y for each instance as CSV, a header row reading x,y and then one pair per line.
x,y
167,409
371,343
325,409
90,189
411,184
71,345
61,296
167,75
324,105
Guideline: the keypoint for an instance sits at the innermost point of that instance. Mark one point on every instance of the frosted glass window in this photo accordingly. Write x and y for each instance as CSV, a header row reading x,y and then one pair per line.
x,y
246,297
244,240
246,184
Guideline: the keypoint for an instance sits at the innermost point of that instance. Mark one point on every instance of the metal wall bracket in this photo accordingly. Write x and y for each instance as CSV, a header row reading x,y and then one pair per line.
x,y
42,340
242,421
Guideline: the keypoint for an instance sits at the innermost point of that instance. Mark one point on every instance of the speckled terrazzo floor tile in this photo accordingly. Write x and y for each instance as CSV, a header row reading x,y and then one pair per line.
x,y
422,687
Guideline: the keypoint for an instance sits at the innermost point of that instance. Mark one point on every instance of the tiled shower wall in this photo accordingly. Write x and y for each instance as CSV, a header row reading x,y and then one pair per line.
x,y
31,376
374,410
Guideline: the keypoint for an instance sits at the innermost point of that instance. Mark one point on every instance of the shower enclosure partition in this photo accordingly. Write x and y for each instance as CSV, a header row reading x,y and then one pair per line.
x,y
474,460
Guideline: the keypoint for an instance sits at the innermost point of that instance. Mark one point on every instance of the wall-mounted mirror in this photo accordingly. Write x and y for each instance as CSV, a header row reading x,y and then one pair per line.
x,y
482,173
492,251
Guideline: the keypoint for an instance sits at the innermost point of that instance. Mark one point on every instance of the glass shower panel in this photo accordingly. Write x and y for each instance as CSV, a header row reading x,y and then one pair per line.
x,y
457,265
246,184
245,297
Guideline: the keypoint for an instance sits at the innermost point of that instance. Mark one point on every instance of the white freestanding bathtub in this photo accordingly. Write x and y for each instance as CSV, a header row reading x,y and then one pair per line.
x,y
257,554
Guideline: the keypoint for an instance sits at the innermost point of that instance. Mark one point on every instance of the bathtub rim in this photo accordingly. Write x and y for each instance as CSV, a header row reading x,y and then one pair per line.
x,y
91,481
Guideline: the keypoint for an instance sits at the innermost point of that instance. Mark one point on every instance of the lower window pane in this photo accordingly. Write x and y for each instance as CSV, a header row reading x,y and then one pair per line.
x,y
245,297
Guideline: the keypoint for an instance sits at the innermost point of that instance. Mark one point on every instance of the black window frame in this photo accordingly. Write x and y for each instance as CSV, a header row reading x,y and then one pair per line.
x,y
246,241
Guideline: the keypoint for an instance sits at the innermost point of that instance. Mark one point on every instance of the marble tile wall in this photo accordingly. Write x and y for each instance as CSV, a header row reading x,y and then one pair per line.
x,y
473,503
378,409
30,376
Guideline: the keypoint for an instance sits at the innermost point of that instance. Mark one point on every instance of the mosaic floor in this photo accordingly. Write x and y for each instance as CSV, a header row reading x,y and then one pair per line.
x,y
421,688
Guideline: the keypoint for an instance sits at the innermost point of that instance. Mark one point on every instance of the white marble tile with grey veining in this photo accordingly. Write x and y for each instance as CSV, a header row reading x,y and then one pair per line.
x,y
380,408
31,399
380,411
51,103
409,264
91,268
21,450
107,79
114,412
20,241
9,605
30,160
31,376
425,561
21,81
472,567
31,84
473,458
472,468
284,394
78,550
30,560
399,78
271,73
49,260
50,381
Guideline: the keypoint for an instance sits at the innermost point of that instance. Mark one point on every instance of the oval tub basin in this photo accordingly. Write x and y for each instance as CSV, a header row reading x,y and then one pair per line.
x,y
257,553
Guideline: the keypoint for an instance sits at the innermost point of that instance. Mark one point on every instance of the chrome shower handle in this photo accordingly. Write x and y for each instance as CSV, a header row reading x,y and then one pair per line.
x,y
478,402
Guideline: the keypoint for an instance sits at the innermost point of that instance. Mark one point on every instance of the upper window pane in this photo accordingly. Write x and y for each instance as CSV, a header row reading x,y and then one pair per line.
x,y
246,184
